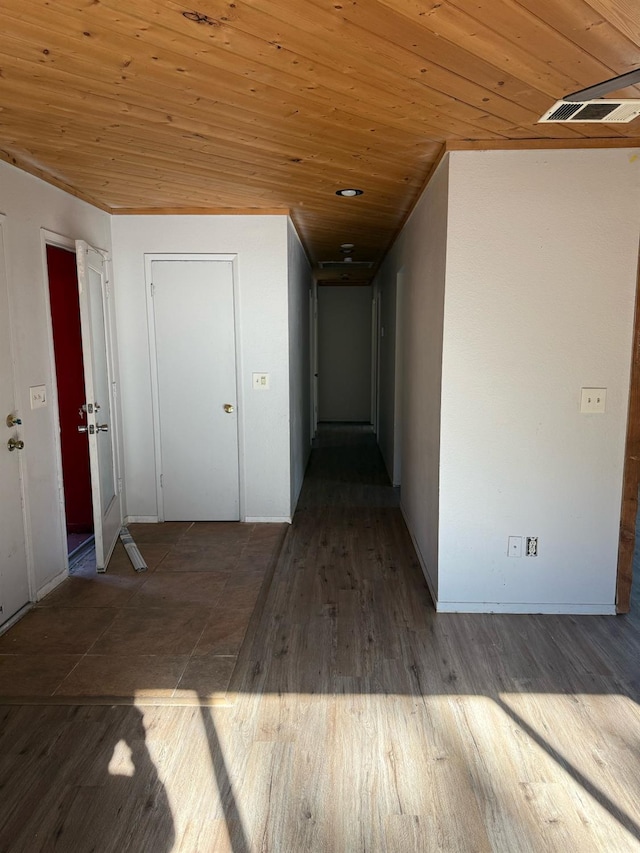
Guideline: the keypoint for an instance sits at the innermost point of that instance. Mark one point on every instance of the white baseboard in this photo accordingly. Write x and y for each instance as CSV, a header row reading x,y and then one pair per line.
x,y
506,606
141,519
268,519
49,587
250,519
15,618
525,607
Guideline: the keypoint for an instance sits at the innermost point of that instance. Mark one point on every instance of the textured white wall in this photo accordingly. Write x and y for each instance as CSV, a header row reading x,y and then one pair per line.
x,y
31,205
541,266
300,283
420,252
261,246
344,353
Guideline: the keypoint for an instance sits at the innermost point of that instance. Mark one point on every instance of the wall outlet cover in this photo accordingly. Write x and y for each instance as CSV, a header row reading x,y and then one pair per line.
x,y
260,381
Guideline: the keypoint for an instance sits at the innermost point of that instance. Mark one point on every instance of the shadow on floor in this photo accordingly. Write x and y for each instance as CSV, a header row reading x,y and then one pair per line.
x,y
363,720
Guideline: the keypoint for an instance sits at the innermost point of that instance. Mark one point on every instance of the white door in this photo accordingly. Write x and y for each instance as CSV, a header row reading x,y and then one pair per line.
x,y
14,579
195,389
95,322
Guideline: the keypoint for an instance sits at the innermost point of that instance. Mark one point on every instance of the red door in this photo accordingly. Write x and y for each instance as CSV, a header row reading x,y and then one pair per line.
x,y
67,344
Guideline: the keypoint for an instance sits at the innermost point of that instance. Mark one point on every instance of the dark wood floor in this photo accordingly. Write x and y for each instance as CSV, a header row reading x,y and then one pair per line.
x,y
168,635
363,721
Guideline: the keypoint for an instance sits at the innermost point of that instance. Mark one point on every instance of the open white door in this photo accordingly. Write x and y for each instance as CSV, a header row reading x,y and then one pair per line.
x,y
100,413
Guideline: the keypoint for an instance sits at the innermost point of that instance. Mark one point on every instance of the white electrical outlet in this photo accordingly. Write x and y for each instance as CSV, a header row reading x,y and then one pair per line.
x,y
38,396
260,381
514,548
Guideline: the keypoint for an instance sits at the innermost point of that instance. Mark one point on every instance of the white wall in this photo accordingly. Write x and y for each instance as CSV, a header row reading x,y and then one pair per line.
x,y
420,252
300,284
344,353
536,255
31,205
541,272
261,246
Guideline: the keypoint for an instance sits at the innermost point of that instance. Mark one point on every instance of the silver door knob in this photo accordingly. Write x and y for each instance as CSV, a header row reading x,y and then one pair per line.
x,y
83,428
228,408
15,444
102,427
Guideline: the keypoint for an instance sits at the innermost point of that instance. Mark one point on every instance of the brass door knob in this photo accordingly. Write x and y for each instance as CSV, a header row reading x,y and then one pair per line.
x,y
13,420
15,444
228,408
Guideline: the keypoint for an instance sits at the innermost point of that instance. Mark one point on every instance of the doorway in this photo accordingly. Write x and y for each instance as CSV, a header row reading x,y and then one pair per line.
x,y
398,395
345,343
69,369
193,354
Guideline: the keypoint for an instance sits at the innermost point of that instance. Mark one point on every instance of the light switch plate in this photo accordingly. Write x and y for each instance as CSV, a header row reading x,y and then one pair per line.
x,y
38,396
593,401
260,381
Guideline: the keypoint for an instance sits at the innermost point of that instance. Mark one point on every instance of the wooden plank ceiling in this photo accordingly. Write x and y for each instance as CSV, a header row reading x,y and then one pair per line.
x,y
276,104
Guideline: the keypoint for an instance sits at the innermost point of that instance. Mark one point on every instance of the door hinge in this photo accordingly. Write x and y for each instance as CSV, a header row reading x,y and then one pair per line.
x,y
152,286
119,485
161,484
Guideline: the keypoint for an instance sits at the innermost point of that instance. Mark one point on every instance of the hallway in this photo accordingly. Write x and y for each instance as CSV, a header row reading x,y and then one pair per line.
x,y
360,719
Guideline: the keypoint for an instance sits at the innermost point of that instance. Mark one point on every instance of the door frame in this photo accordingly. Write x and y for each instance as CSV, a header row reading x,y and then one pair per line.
x,y
313,359
631,475
61,241
376,334
232,258
26,524
51,238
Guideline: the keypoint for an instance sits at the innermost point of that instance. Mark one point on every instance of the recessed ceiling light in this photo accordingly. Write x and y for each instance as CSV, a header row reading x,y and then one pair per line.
x,y
349,193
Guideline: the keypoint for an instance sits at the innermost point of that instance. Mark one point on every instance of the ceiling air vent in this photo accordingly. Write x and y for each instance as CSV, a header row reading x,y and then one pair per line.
x,y
619,112
347,262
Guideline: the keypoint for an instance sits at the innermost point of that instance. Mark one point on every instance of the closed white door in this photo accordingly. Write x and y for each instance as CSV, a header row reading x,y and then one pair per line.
x,y
195,389
95,323
14,581
345,353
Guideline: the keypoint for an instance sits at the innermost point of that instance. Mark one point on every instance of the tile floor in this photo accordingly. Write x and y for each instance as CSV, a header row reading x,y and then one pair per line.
x,y
169,635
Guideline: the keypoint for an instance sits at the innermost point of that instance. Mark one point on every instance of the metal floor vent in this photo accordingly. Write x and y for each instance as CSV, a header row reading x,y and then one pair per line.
x,y
607,111
347,263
